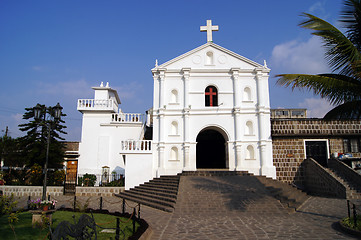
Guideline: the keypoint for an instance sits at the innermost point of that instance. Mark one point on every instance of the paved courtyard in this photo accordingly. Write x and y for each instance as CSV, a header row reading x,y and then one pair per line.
x,y
234,207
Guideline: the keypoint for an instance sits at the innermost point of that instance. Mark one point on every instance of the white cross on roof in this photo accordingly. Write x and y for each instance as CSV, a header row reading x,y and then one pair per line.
x,y
209,28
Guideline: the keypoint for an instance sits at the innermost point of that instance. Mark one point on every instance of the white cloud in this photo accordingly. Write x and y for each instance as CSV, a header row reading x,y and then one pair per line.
x,y
317,7
78,88
18,118
129,90
300,57
316,107
37,68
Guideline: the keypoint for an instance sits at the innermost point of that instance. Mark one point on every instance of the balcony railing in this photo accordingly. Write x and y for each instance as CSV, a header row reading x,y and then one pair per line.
x,y
127,118
136,146
97,104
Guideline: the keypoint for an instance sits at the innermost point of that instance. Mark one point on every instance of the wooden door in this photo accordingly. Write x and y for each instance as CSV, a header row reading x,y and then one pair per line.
x,y
71,175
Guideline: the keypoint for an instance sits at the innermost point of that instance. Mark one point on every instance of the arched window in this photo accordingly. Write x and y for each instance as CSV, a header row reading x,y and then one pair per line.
x,y
174,153
174,96
209,58
249,152
249,128
211,96
174,130
247,94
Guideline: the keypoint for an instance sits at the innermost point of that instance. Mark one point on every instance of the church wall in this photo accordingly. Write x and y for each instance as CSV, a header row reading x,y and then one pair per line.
x,y
101,143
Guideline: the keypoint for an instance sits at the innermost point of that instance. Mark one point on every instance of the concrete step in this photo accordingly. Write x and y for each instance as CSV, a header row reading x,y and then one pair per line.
x,y
157,189
145,202
161,184
157,186
151,195
159,193
287,194
150,199
215,172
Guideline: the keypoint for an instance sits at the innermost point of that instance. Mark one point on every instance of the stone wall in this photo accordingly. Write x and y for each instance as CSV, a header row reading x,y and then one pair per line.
x,y
288,154
37,191
348,173
318,181
315,127
288,137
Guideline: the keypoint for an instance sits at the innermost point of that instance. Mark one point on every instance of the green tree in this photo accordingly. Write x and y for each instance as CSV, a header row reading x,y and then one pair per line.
x,y
342,87
9,152
34,143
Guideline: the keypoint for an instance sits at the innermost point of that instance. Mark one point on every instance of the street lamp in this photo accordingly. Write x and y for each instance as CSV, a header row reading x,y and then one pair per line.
x,y
51,116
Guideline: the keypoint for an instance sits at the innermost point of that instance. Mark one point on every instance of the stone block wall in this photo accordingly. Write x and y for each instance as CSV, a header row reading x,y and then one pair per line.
x,y
37,191
288,137
318,181
348,173
315,127
33,191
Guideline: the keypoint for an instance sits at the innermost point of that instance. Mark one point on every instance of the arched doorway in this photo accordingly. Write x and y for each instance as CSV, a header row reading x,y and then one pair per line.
x,y
211,149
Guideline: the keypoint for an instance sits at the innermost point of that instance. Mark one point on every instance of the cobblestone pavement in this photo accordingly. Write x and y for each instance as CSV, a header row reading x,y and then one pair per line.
x,y
233,207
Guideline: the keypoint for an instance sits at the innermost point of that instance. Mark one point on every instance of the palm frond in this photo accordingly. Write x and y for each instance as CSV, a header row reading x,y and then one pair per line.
x,y
351,17
335,88
340,51
348,110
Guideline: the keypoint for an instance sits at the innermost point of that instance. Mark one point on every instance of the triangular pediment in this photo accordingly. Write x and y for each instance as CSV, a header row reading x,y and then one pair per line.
x,y
210,56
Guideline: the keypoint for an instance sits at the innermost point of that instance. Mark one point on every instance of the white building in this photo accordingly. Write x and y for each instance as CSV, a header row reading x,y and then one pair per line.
x,y
210,110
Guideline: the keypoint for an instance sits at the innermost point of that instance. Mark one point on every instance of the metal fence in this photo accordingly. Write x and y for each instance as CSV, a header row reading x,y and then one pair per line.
x,y
90,180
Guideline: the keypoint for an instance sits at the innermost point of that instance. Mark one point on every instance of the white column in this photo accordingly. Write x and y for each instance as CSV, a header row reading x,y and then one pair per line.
x,y
161,87
186,137
236,86
186,109
237,116
186,73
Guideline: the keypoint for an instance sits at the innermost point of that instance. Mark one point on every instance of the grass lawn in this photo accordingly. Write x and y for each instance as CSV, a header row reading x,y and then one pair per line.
x,y
24,230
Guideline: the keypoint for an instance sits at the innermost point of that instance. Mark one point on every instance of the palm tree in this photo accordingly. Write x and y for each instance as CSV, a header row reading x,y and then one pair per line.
x,y
342,87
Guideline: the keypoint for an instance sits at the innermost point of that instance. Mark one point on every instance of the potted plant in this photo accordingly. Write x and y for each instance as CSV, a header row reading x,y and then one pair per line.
x,y
45,205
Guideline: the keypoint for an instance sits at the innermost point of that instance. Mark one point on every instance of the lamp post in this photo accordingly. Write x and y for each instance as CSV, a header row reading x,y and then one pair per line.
x,y
50,115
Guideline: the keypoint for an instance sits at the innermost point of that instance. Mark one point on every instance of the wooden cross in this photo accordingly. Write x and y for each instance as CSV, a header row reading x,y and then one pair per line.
x,y
211,94
209,28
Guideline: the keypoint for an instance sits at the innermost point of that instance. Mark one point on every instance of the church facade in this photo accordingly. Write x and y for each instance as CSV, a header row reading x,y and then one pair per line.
x,y
211,110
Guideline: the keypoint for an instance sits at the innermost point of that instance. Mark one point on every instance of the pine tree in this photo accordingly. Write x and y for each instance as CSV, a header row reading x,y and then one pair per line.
x,y
34,143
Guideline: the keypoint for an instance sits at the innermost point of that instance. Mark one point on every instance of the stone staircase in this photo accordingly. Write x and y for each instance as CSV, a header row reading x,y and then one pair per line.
x,y
215,172
289,195
353,191
160,193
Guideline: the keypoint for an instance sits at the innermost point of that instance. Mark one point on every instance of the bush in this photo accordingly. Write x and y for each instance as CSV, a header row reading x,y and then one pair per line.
x,y
88,180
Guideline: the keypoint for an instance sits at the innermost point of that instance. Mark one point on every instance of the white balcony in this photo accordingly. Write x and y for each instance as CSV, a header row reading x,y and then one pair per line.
x,y
97,104
136,146
127,118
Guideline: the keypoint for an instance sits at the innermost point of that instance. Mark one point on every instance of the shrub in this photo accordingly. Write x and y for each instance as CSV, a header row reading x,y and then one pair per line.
x,y
88,180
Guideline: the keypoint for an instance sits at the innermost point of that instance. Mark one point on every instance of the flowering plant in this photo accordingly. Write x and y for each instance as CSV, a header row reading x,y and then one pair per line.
x,y
34,204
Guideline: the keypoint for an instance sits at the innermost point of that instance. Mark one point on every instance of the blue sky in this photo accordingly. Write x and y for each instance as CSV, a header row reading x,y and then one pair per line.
x,y
55,51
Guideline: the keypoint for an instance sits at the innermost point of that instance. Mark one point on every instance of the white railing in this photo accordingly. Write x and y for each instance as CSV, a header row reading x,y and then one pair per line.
x,y
127,117
97,104
136,146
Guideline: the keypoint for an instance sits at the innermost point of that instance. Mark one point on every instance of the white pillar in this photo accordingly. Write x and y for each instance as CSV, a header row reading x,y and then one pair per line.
x,y
186,109
161,87
186,73
236,86
237,116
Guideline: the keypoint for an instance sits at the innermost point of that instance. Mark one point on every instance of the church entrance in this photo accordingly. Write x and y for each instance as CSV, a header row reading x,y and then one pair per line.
x,y
211,149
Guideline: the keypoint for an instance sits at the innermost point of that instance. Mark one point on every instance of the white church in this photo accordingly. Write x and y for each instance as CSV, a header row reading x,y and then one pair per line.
x,y
211,110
